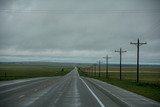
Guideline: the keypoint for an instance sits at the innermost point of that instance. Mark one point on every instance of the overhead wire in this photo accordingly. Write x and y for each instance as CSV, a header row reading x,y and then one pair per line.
x,y
70,11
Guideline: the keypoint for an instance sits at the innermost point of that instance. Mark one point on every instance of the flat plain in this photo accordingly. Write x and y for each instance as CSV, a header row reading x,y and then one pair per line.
x,y
30,70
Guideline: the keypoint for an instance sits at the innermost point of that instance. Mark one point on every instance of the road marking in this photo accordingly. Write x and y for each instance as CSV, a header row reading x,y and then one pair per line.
x,y
21,96
99,101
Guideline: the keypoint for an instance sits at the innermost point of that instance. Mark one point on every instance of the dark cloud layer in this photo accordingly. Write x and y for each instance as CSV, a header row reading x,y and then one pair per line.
x,y
75,28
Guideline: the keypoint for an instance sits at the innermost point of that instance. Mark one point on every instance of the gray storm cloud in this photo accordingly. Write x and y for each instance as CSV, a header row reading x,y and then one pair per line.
x,y
78,28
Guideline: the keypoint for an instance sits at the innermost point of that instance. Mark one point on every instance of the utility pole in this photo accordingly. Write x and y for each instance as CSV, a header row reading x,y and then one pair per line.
x,y
99,68
120,65
94,69
107,57
5,75
90,69
138,44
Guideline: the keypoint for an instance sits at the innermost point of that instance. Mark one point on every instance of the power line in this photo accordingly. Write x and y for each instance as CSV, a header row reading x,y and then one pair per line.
x,y
71,11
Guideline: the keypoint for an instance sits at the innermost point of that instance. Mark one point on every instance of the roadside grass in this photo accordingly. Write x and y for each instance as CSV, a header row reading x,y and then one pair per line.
x,y
10,72
149,85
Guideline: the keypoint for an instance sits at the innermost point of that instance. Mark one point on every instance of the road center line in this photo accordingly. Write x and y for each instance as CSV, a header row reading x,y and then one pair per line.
x,y
101,104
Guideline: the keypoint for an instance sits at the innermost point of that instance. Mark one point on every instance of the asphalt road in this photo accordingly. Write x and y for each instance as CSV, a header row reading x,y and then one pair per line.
x,y
70,90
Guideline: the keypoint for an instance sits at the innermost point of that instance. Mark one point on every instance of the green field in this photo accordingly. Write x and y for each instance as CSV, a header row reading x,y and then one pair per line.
x,y
148,86
18,71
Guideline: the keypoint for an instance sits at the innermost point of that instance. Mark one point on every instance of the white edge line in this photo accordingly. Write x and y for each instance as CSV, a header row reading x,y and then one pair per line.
x,y
101,104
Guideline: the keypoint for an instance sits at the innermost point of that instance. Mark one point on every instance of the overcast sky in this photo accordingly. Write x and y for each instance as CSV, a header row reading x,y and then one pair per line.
x,y
80,29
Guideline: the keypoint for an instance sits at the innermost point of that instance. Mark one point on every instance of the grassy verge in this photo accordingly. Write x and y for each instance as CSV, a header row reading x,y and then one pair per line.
x,y
10,72
149,85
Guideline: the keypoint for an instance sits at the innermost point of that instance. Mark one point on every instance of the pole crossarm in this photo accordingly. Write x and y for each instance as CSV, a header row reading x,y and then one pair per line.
x,y
107,57
122,51
140,44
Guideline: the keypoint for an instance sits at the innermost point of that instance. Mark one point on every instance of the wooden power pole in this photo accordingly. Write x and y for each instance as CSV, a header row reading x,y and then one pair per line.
x,y
138,44
107,57
120,65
